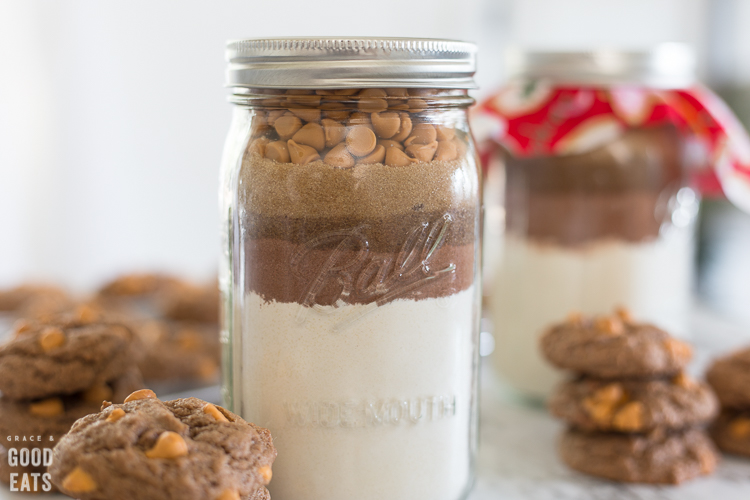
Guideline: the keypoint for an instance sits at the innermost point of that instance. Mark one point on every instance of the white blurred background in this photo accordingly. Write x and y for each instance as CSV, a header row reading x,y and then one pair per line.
x,y
113,114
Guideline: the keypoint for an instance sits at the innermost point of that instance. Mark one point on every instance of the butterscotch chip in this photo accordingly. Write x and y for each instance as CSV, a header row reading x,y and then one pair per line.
x,y
417,105
461,146
168,445
389,143
286,126
47,408
422,152
372,93
610,326
274,115
266,473
141,394
229,495
399,92
345,91
377,156
372,105
685,381
189,340
445,133
97,394
624,315
304,100
740,427
339,157
207,368
386,125
423,133
210,409
167,449
629,418
309,115
297,92
51,338
311,135
334,132
115,415
405,130
680,350
446,151
258,146
394,157
361,141
301,154
277,151
78,481
359,118
337,114
87,314
21,326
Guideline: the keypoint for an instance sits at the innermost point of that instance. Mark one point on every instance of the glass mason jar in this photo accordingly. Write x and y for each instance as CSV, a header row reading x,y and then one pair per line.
x,y
604,218
351,197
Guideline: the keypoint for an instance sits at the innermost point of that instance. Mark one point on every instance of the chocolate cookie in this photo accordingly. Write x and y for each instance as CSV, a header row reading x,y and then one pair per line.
x,y
188,302
52,417
46,360
29,484
137,285
730,378
731,432
613,347
184,449
176,350
16,299
634,405
657,458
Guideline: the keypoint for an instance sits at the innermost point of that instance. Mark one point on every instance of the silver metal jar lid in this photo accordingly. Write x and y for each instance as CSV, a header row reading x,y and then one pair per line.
x,y
668,65
325,63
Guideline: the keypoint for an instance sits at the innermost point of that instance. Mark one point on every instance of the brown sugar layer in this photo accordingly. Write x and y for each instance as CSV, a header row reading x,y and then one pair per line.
x,y
363,192
620,190
287,272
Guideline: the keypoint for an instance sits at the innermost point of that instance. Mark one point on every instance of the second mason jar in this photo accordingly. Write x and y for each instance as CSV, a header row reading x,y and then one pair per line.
x,y
352,237
599,208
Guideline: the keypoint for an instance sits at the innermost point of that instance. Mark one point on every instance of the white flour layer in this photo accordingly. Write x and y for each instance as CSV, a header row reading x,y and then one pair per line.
x,y
538,285
380,408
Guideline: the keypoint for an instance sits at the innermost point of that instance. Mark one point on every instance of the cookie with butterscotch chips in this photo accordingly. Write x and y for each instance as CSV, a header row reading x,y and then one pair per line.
x,y
149,449
614,346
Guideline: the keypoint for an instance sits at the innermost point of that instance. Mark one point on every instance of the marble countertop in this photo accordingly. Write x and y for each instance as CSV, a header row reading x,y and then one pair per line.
x,y
517,458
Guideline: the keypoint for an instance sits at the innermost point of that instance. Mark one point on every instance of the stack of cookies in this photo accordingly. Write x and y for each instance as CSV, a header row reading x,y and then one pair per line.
x,y
53,373
730,378
633,414
177,322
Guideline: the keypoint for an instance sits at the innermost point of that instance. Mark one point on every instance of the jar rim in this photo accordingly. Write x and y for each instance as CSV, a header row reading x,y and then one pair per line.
x,y
666,65
361,62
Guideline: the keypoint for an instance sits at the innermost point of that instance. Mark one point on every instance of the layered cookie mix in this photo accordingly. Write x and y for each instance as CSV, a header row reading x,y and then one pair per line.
x,y
730,378
359,216
633,414
155,450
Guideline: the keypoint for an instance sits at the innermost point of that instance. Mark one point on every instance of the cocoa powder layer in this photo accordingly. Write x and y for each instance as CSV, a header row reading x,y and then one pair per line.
x,y
288,272
619,190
